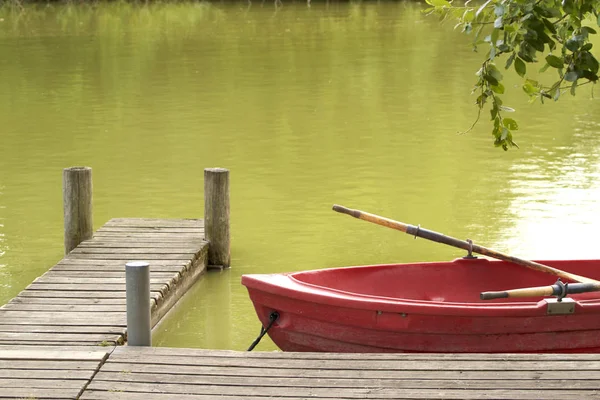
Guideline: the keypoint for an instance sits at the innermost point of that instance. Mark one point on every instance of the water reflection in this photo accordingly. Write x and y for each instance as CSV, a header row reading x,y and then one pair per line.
x,y
555,198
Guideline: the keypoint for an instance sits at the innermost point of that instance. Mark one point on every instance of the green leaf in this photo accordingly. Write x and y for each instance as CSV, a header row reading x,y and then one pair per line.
x,y
499,88
493,71
556,94
587,47
520,67
554,61
573,44
510,60
588,31
573,87
510,124
438,3
490,79
571,76
549,25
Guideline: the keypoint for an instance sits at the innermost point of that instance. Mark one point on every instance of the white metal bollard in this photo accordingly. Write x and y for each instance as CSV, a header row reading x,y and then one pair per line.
x,y
137,285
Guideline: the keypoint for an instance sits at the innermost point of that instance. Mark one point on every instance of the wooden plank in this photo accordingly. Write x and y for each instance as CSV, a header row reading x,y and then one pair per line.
x,y
53,279
67,301
35,366
92,287
38,393
465,365
124,259
127,251
155,222
100,308
42,383
178,245
104,395
50,353
118,267
56,337
150,229
336,393
87,263
195,353
106,330
49,372
259,372
107,274
166,236
351,381
116,294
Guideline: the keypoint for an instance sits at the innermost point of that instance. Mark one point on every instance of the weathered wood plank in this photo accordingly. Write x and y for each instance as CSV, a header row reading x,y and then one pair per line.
x,y
92,287
101,308
352,381
166,236
336,393
66,301
37,393
87,263
35,366
49,353
104,395
397,365
181,352
106,330
155,222
116,294
83,280
151,229
105,274
42,383
49,372
189,251
113,370
56,337
179,245
124,258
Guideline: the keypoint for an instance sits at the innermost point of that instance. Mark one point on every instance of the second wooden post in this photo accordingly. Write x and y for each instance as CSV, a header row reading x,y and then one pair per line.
x,y
77,204
216,216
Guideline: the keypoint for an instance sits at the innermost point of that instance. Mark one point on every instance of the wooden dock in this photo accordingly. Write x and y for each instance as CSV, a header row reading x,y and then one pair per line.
x,y
81,300
143,373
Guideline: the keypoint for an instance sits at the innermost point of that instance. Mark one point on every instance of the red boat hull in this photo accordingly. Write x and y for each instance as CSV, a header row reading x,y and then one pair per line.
x,y
424,307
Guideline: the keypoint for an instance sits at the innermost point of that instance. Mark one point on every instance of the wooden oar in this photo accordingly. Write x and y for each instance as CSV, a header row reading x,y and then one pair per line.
x,y
461,244
558,289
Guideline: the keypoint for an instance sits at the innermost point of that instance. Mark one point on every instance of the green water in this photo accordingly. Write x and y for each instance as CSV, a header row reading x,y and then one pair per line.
x,y
349,103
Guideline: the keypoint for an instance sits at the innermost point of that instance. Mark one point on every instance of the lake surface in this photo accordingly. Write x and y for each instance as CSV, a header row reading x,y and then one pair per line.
x,y
351,103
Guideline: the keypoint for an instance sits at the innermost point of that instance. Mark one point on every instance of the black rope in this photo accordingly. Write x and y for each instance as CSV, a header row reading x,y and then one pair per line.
x,y
263,331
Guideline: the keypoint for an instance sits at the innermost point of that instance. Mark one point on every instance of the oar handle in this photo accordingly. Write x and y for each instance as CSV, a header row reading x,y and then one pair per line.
x,y
559,289
526,292
376,219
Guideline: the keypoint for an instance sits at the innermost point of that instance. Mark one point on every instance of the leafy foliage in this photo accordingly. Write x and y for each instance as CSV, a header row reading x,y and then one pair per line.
x,y
526,32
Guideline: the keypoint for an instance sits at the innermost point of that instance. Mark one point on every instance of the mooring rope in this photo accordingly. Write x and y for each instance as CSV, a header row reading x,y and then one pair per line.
x,y
263,331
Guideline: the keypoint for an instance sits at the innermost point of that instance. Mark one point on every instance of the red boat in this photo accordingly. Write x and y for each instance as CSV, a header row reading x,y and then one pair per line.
x,y
426,307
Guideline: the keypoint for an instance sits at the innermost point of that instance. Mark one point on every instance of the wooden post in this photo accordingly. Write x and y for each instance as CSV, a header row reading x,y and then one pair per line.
x,y
77,202
216,216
